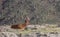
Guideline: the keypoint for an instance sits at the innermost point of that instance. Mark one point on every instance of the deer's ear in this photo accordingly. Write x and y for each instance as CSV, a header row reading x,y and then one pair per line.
x,y
27,18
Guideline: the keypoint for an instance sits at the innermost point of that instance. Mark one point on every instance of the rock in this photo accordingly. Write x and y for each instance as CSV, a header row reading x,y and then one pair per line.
x,y
7,34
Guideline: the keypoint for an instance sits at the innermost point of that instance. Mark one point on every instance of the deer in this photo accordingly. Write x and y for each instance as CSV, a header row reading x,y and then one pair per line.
x,y
22,26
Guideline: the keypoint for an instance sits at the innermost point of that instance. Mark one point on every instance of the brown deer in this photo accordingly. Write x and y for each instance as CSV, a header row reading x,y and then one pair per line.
x,y
21,26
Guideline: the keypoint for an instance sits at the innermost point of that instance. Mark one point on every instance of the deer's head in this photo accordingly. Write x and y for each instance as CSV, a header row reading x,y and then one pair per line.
x,y
27,20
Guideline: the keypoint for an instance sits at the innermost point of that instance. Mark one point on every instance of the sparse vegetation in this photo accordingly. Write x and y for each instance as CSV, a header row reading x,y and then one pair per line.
x,y
40,11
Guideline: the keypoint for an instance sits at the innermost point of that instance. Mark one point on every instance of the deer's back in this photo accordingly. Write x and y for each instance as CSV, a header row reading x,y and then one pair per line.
x,y
18,26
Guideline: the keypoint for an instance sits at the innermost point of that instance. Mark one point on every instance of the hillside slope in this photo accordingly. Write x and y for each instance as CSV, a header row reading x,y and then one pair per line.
x,y
39,11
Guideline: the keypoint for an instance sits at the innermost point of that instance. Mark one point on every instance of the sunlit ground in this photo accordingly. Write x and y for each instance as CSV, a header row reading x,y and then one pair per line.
x,y
44,30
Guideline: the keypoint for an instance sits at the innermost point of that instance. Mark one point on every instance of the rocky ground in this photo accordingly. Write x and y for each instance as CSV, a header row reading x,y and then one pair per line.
x,y
6,31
